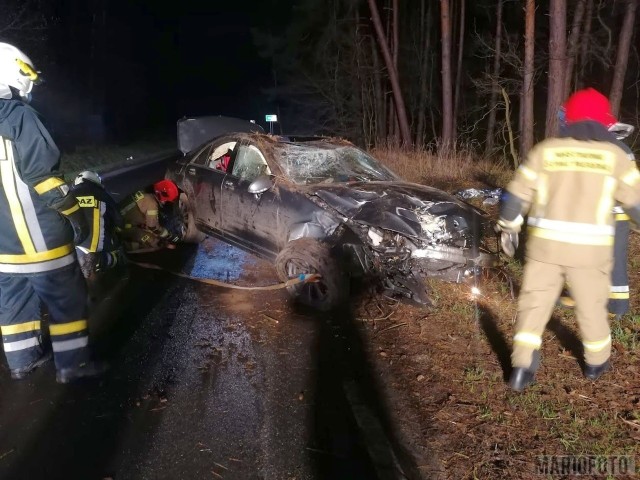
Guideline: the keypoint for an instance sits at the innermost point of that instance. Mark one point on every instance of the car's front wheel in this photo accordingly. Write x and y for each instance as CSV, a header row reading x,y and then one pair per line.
x,y
192,234
307,255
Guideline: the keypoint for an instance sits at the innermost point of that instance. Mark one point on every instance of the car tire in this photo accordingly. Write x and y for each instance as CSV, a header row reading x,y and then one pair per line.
x,y
307,255
192,235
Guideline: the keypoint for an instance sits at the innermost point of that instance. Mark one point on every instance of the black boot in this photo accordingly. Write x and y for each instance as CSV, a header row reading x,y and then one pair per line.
x,y
86,370
22,372
593,372
521,378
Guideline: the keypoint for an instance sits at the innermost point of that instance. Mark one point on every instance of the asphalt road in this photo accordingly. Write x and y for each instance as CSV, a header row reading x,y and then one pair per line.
x,y
205,383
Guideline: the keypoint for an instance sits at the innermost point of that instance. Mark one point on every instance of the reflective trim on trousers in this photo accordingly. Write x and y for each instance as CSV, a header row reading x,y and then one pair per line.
x,y
21,344
597,346
31,326
619,296
67,345
619,289
529,339
67,328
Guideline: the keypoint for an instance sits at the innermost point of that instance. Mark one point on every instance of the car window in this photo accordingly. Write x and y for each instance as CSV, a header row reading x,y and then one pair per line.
x,y
220,156
249,163
201,158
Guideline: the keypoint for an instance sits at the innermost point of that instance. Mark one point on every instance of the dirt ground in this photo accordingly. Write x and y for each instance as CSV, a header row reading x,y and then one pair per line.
x,y
445,369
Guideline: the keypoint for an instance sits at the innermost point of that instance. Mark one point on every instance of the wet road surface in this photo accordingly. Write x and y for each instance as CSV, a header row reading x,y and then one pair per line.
x,y
205,382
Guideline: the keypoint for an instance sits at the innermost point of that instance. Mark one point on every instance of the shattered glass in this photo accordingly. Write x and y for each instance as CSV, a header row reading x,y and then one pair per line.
x,y
491,195
315,163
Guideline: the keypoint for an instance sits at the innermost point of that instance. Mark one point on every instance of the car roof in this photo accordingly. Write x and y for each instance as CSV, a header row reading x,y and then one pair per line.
x,y
196,131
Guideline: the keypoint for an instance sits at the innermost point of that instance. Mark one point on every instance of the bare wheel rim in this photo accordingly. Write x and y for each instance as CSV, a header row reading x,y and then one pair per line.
x,y
313,291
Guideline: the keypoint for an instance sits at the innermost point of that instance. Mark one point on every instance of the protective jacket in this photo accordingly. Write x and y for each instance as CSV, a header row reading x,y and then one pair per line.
x,y
34,237
141,210
102,214
570,185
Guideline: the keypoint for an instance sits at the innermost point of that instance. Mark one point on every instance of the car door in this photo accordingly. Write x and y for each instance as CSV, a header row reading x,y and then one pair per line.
x,y
206,174
249,220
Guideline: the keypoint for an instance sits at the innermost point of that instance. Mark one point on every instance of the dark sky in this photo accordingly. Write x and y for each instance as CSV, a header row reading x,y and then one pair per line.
x,y
142,64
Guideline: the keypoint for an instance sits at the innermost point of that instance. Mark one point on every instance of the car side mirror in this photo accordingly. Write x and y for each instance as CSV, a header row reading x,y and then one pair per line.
x,y
260,185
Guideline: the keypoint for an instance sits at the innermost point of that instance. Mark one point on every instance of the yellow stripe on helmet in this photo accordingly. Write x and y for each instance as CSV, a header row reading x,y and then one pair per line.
x,y
27,70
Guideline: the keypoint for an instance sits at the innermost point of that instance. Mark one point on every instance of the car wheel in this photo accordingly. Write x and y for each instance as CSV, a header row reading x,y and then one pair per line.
x,y
307,255
192,235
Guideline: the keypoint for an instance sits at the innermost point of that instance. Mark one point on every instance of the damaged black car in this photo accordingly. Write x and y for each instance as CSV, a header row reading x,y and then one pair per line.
x,y
322,205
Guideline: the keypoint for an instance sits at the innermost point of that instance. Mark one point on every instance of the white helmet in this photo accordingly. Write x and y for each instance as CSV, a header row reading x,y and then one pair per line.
x,y
89,176
17,71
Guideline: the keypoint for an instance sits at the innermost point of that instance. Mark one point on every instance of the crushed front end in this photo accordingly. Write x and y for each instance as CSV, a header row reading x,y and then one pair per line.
x,y
408,233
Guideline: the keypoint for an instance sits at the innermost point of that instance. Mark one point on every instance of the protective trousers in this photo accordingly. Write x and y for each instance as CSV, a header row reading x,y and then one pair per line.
x,y
63,292
541,286
619,292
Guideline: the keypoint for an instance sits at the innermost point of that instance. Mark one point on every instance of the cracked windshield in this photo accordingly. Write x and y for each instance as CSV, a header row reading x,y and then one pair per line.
x,y
310,164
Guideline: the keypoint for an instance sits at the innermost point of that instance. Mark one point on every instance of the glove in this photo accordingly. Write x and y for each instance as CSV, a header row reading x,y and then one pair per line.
x,y
68,206
509,230
177,236
109,260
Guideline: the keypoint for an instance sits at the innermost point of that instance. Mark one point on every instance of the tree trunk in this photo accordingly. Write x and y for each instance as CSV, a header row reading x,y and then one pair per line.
x,y
401,112
422,102
447,96
379,95
584,43
526,141
572,46
622,56
456,98
495,72
391,109
557,57
395,12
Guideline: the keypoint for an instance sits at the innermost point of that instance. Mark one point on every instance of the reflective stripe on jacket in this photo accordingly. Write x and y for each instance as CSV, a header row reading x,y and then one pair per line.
x,y
101,213
33,236
571,187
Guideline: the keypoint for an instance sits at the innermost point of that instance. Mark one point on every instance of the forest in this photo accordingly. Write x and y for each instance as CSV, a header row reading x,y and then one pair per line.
x,y
489,75
484,75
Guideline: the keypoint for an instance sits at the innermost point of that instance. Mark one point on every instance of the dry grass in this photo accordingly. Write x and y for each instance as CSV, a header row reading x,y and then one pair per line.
x,y
455,170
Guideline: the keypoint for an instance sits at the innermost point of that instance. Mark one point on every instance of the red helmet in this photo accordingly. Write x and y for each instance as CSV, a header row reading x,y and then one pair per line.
x,y
165,190
589,104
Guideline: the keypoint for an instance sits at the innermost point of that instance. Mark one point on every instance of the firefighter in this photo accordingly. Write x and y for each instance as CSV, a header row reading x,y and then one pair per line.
x,y
38,225
618,304
568,185
101,251
141,213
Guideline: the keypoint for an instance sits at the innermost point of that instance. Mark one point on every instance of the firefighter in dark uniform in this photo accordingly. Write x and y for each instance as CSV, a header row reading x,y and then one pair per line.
x,y
38,219
101,252
142,217
568,186
619,289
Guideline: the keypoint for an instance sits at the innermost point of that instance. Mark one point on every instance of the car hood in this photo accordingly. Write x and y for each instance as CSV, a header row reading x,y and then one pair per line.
x,y
407,208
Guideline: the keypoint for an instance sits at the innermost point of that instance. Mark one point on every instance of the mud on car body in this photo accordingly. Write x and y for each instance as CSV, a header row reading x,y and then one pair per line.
x,y
322,205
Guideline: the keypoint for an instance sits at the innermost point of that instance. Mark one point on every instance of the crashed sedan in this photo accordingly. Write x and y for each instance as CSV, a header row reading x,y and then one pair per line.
x,y
322,205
